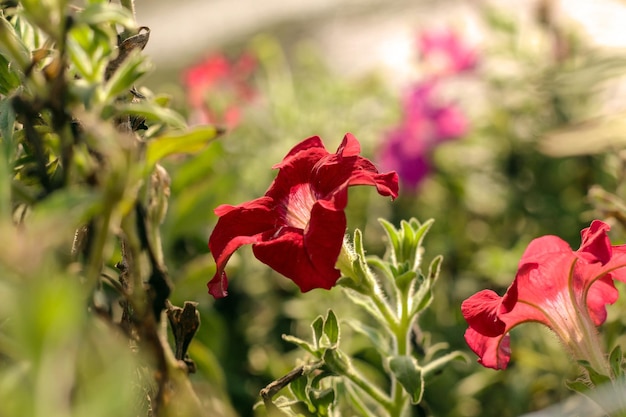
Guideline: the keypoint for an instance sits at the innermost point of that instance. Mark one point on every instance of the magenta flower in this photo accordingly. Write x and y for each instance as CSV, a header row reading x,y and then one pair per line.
x,y
217,88
426,123
563,289
445,53
297,227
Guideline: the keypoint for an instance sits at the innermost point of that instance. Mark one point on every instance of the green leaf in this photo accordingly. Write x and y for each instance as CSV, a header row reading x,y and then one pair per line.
x,y
322,400
615,360
131,69
436,364
596,378
405,280
154,113
577,386
109,13
300,343
299,387
188,142
9,77
7,120
409,375
424,294
375,336
394,246
12,46
318,330
331,328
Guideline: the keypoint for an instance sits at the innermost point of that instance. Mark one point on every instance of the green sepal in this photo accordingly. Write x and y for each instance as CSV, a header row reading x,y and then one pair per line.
x,y
409,375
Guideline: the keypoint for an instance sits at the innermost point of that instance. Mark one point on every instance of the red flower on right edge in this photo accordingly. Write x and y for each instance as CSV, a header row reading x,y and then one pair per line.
x,y
563,289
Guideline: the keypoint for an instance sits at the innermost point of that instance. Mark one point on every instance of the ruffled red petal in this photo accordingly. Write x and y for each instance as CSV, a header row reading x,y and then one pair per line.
x,y
237,226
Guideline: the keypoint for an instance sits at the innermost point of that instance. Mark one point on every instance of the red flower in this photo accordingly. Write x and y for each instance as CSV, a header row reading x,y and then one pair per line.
x,y
565,290
297,228
217,87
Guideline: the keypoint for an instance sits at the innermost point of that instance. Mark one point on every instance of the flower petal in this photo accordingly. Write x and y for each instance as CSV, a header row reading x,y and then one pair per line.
x,y
237,226
493,352
481,313
595,246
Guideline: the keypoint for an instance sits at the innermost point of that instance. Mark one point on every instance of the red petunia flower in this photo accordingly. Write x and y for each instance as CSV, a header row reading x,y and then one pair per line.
x,y
563,289
218,87
297,228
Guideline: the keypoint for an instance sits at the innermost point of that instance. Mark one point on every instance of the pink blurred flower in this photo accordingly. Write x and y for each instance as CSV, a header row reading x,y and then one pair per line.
x,y
426,123
445,52
562,289
217,88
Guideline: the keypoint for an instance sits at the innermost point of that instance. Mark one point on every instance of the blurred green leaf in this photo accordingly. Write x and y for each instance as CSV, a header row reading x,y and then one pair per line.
x,y
154,113
9,77
616,359
109,13
409,375
11,46
131,69
188,142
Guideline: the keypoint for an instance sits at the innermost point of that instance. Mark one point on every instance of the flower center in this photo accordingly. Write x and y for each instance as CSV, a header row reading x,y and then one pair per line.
x,y
298,206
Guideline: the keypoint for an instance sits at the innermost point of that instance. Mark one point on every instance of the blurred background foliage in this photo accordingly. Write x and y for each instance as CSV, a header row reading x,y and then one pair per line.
x,y
541,135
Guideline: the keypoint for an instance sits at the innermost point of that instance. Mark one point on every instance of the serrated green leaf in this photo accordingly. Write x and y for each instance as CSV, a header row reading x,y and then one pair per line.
x,y
153,113
331,328
409,375
188,142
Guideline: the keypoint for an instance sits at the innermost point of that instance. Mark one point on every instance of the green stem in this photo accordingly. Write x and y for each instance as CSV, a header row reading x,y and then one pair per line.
x,y
402,348
369,389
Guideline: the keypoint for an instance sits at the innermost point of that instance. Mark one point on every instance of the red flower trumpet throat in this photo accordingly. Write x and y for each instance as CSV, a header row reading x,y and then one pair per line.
x,y
297,227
